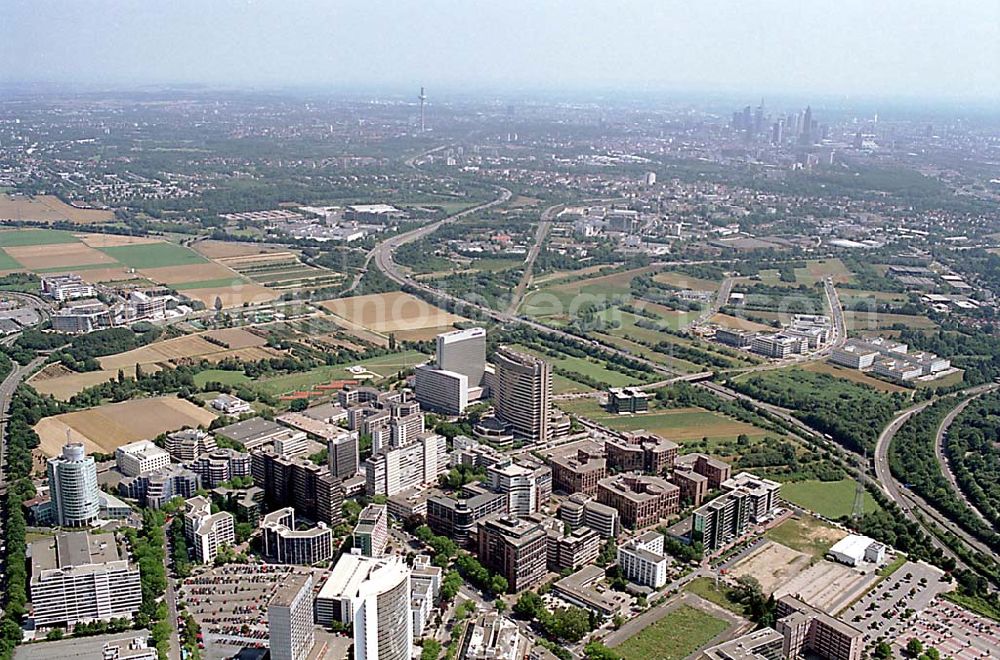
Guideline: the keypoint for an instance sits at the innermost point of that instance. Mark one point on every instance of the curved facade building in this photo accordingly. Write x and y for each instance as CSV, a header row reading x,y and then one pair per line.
x,y
383,624
73,487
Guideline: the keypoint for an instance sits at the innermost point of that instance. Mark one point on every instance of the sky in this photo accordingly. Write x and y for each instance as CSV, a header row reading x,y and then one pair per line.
x,y
945,49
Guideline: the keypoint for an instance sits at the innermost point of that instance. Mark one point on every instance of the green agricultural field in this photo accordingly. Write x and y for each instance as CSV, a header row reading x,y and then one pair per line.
x,y
677,635
154,255
678,424
565,298
8,262
24,237
682,281
224,376
210,284
831,499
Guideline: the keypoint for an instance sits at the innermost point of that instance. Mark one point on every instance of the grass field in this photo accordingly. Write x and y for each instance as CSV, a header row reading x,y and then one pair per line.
x,y
677,424
154,255
8,262
682,281
677,635
383,365
831,499
211,284
563,299
870,321
806,534
586,367
853,375
104,428
224,376
21,237
705,587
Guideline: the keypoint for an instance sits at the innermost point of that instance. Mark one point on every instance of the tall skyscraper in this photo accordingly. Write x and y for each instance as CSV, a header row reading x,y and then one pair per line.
x,y
383,623
464,352
73,487
523,393
343,455
290,619
806,136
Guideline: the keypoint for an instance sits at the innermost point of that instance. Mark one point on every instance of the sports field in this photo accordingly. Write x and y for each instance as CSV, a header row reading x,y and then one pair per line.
x,y
389,312
104,428
678,424
677,635
831,499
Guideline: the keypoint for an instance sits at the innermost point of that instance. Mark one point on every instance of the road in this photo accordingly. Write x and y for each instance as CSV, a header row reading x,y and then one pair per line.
x,y
911,504
721,298
942,459
544,225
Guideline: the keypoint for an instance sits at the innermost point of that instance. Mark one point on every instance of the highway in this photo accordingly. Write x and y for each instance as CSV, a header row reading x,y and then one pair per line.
x,y
915,507
942,459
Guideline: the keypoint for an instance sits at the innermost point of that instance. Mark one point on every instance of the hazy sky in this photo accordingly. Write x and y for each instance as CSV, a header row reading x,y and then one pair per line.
x,y
947,48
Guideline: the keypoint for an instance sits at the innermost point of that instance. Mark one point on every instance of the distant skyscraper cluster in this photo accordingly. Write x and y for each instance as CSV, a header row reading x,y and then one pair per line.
x,y
796,128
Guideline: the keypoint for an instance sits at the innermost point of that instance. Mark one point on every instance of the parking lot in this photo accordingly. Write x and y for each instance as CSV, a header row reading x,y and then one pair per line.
x,y
230,604
889,610
954,631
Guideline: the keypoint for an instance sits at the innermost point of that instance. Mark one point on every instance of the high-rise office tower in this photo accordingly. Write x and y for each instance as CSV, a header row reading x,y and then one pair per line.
x,y
806,136
73,487
464,352
343,455
383,623
290,619
523,393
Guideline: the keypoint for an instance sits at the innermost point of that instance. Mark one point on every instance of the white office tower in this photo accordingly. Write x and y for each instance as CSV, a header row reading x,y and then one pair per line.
x,y
141,456
73,487
383,624
522,396
290,619
441,391
463,352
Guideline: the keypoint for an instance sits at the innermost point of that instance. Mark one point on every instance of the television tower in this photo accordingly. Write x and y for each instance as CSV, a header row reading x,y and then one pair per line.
x,y
422,97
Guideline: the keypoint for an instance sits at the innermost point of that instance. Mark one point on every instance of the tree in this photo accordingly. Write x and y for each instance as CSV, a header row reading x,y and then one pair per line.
x,y
529,605
298,405
568,623
498,584
430,649
914,647
500,605
883,651
598,651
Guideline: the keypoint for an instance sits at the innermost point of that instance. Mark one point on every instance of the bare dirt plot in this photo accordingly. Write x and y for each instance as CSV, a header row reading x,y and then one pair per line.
x,y
41,257
115,240
233,296
773,565
47,208
249,354
189,273
736,323
236,337
98,275
223,249
188,346
390,312
423,334
107,427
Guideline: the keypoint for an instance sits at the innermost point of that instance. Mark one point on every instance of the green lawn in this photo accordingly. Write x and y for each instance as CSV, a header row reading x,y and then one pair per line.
x,y
210,284
19,237
8,262
678,424
705,587
154,255
224,376
592,369
677,635
383,365
831,499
